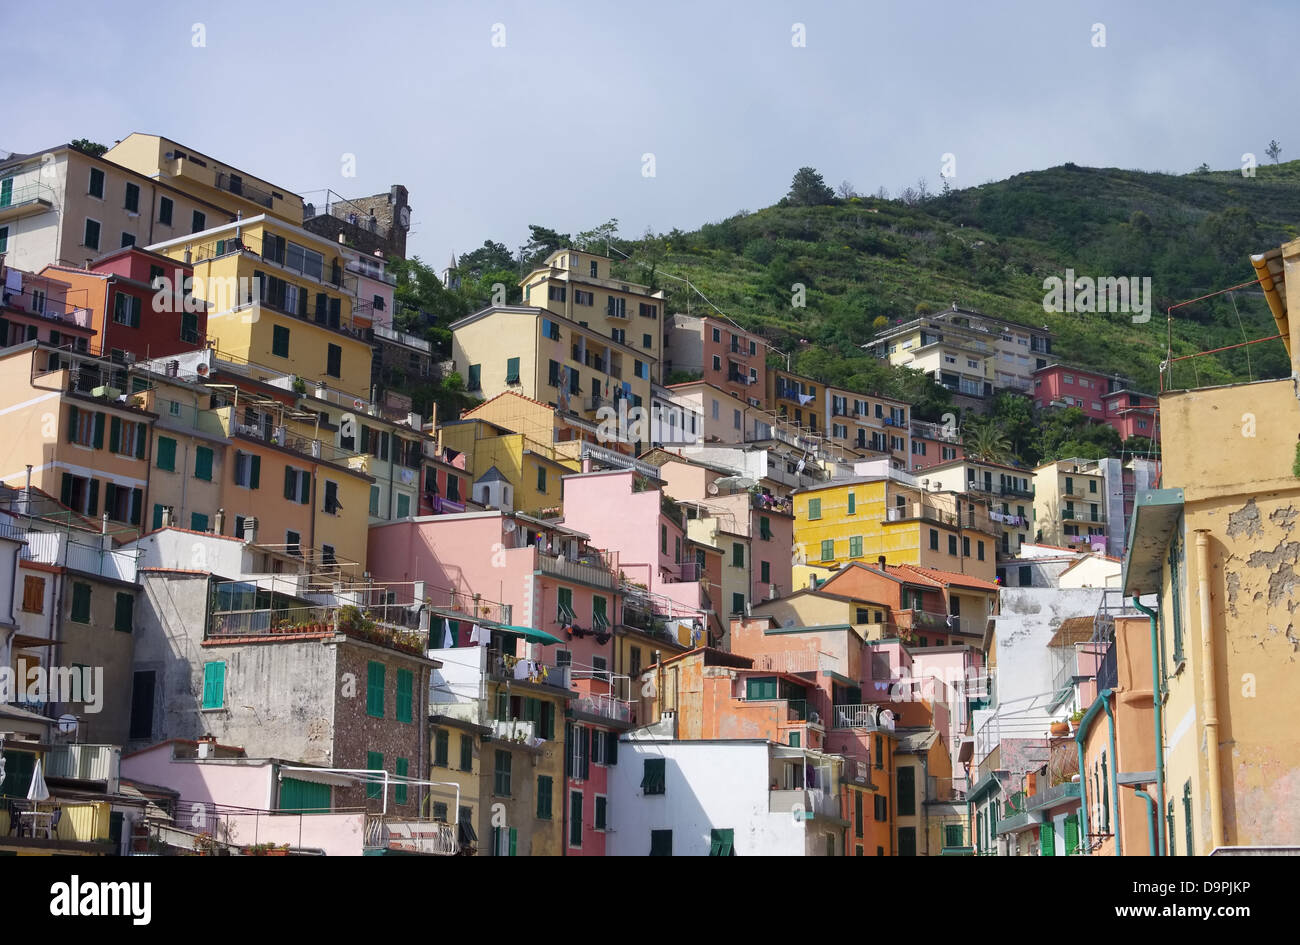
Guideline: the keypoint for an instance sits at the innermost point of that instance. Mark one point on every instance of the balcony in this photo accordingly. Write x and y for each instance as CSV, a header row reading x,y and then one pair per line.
x,y
867,717
977,521
604,707
292,623
37,304
429,837
28,200
1070,514
234,184
85,763
811,803
56,825
402,338
506,667
594,568
57,548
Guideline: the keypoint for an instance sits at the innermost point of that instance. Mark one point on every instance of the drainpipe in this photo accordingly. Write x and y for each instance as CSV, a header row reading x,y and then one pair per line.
x,y
1158,702
1209,681
1114,777
1085,723
1152,816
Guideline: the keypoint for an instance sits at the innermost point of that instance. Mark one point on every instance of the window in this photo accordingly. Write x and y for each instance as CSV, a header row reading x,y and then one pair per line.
x,y
334,361
96,186
575,818
582,297
475,370
541,478
600,816
280,341
297,485
544,787
828,549
332,503
203,463
248,470
123,612
198,221
737,555
512,371
375,787
648,310
405,693
853,499
80,603
165,206
126,310
566,614
167,453
214,684
375,689
128,239
737,603
33,595
467,753
1187,819
717,363
722,842
855,546
905,806
4,246
654,776
126,438
765,572
90,238
132,202
400,768
661,843
952,544
441,741
501,774
814,509
979,550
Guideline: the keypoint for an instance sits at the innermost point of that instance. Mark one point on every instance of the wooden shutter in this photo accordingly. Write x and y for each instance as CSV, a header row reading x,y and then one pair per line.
x,y
255,476
375,689
214,684
99,431
1046,840
72,419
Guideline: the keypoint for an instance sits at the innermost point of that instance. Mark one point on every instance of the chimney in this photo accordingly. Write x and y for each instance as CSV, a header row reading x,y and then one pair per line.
x,y
27,492
220,521
207,746
881,562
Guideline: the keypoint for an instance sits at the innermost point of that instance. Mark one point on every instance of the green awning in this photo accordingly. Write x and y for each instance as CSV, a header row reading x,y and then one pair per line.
x,y
528,633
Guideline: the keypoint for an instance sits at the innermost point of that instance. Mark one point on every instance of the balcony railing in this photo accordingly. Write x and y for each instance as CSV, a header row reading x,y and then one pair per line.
x,y
862,716
41,306
603,706
594,568
315,620
401,337
1108,671
815,802
60,550
411,836
507,667
234,184
30,198
84,762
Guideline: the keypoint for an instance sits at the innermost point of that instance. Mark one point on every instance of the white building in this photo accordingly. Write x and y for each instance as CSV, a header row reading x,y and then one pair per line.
x,y
726,797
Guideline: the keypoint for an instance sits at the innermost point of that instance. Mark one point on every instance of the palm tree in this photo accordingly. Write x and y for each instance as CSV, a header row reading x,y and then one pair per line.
x,y
985,442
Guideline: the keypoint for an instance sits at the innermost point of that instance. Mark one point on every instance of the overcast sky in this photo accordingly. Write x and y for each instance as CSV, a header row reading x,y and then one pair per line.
x,y
552,126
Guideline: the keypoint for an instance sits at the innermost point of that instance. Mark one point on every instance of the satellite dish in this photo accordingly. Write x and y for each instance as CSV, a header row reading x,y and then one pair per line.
x,y
201,370
713,488
68,724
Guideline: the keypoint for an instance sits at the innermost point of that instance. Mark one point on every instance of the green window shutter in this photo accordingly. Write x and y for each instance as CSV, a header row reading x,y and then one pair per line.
x,y
467,753
599,816
814,509
401,766
514,838
139,441
375,690
137,501
157,516
255,477
906,803
548,721
858,828
575,818
654,777
737,555
405,694
853,503
1187,818
611,748
953,835
203,463
1071,834
1046,840
441,741
214,684
795,739
124,612
167,453
543,797
721,842
81,603
374,762
198,522
1169,827
501,774
290,483
765,528
661,843
512,371
855,547
72,418
828,549
114,434
99,431
304,795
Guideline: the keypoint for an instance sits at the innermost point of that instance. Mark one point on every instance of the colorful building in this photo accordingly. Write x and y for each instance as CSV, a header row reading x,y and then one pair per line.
x,y
869,424
719,353
1008,489
1070,503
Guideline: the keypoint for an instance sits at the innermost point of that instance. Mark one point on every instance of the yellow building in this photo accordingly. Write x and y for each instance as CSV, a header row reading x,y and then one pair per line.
x,y
523,784
457,752
796,399
1070,502
578,286
865,518
497,458
539,354
280,298
818,608
1217,545
204,177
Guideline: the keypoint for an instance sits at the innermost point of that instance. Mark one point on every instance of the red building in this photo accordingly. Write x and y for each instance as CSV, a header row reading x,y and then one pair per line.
x,y
127,309
1133,413
1104,398
933,444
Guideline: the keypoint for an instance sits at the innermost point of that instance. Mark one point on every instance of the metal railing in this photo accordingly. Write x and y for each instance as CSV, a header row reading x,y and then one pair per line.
x,y
59,549
84,762
863,716
42,306
234,184
593,568
412,836
603,706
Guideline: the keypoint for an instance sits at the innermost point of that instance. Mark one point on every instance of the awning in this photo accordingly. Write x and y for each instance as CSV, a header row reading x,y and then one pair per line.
x,y
528,633
1155,516
467,834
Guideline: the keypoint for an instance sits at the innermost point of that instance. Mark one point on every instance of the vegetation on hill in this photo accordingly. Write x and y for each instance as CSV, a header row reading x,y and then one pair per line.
x,y
868,262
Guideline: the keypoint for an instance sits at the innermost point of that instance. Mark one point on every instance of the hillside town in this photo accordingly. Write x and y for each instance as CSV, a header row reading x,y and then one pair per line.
x,y
653,593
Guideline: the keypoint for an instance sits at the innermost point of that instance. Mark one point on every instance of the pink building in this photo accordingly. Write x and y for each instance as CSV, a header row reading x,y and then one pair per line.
x,y
721,354
1133,413
933,444
1062,385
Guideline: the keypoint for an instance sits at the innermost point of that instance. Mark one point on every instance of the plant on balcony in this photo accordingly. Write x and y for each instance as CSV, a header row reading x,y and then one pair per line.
x,y
299,386
1075,719
206,845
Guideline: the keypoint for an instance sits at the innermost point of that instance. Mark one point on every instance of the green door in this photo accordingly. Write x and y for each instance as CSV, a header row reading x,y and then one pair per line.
x,y
1046,840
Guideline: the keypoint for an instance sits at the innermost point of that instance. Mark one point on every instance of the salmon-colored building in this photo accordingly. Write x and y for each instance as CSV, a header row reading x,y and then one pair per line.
x,y
138,303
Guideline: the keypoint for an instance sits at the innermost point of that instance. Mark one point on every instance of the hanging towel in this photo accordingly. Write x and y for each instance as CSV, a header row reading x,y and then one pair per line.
x,y
448,641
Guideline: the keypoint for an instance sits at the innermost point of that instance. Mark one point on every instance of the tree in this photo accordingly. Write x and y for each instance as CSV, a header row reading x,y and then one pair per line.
x,y
487,257
1274,150
596,239
845,190
541,243
1203,169
986,442
86,146
807,189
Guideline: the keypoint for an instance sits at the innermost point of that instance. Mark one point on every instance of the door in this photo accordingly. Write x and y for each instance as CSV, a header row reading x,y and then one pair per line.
x,y
907,841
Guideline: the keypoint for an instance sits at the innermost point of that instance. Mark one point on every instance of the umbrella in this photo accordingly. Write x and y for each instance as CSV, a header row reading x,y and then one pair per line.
x,y
38,790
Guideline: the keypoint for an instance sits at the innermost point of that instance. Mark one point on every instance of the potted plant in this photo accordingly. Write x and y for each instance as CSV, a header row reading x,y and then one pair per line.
x,y
1060,729
1075,719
